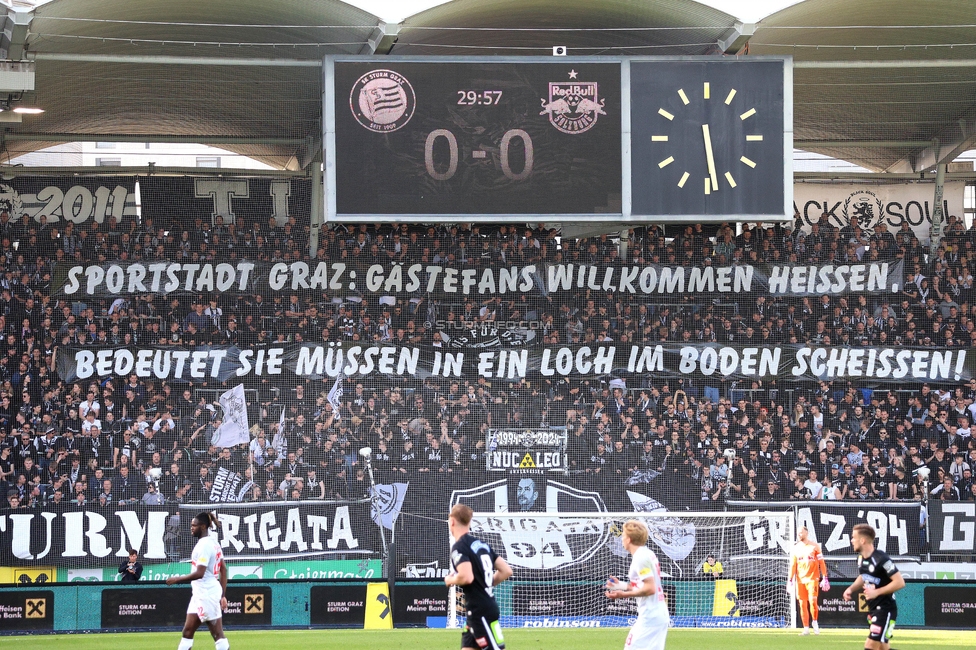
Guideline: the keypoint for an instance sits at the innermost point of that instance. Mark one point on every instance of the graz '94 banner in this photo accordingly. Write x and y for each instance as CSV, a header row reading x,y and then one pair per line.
x,y
831,523
710,361
341,278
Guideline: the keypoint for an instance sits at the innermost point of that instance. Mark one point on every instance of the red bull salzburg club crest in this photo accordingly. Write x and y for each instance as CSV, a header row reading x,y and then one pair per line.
x,y
573,106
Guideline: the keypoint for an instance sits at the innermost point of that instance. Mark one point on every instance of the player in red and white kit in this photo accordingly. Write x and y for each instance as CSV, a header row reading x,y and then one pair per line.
x,y
808,574
209,583
644,583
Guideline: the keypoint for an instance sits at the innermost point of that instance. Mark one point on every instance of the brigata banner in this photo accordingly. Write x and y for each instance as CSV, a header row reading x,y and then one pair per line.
x,y
297,529
69,199
952,526
708,360
868,204
831,523
115,279
231,198
101,537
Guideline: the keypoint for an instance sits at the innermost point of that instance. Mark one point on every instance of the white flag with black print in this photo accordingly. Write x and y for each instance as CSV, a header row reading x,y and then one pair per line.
x,y
278,439
335,396
234,428
387,503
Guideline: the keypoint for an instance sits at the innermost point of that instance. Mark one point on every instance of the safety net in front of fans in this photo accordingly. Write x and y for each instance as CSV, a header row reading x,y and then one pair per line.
x,y
167,361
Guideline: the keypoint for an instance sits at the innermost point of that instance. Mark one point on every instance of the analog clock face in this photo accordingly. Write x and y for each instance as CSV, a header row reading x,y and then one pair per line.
x,y
708,139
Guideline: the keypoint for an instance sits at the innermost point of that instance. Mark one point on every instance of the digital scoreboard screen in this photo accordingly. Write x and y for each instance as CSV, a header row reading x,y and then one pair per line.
x,y
471,138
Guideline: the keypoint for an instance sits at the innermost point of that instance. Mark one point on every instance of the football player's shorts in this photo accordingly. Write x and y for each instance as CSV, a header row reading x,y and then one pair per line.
x,y
206,608
881,622
650,632
807,591
483,634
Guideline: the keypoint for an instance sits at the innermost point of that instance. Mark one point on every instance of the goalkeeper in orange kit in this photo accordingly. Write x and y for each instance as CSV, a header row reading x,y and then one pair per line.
x,y
808,574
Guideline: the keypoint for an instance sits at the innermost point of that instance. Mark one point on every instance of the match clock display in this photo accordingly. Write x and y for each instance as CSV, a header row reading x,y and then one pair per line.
x,y
707,138
470,138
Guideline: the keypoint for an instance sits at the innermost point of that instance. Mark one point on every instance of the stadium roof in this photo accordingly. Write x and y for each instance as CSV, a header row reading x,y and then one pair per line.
x,y
887,84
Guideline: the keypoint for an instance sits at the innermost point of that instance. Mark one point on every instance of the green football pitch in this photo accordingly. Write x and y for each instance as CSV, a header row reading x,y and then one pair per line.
x,y
547,639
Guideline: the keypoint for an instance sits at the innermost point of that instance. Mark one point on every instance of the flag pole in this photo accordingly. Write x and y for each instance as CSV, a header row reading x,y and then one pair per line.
x,y
250,462
367,454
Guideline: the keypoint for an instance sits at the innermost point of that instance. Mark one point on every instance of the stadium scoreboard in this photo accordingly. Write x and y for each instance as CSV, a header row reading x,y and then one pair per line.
x,y
558,138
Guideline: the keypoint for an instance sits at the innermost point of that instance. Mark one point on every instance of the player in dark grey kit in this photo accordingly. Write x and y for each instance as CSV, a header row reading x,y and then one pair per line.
x,y
476,569
880,579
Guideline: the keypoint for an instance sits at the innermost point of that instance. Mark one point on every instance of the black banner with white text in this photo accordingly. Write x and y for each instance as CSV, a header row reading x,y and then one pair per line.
x,y
111,280
831,523
712,362
233,199
952,525
101,537
67,199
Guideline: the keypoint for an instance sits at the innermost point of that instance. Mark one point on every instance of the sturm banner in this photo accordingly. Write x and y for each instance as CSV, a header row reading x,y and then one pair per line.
x,y
831,523
248,199
711,361
339,278
69,199
257,531
867,205
229,487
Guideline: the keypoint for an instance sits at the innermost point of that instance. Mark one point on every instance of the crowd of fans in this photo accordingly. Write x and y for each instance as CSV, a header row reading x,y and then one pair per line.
x,y
90,444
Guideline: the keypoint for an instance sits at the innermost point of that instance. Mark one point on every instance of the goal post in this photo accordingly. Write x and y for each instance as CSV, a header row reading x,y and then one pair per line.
x,y
561,562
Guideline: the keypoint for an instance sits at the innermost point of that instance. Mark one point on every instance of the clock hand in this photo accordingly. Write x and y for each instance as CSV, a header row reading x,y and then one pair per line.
x,y
710,157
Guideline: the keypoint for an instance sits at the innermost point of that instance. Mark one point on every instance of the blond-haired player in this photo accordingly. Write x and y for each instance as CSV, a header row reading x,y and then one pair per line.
x,y
477,570
643,583
808,574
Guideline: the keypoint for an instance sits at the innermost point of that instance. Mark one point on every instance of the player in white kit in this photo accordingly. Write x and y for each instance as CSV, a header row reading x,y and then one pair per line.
x,y
644,583
209,583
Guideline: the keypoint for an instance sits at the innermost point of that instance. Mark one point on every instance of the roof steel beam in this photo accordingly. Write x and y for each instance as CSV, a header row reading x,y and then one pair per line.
x,y
135,137
382,40
150,170
177,60
951,142
738,38
806,145
900,63
13,40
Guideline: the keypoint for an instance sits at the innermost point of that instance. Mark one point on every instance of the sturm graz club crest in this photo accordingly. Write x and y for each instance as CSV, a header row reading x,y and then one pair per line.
x,y
538,539
382,101
573,106
863,208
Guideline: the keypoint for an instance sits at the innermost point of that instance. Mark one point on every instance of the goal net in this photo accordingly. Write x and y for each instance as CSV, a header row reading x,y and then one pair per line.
x,y
561,562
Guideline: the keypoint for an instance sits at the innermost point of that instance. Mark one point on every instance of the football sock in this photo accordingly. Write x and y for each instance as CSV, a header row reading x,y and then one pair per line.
x,y
221,644
805,614
185,644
